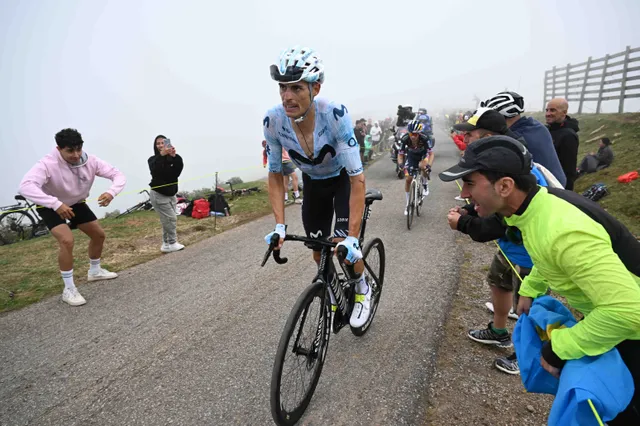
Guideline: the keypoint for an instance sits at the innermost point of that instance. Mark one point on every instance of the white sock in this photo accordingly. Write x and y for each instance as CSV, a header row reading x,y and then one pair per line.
x,y
362,287
94,265
407,194
67,277
286,196
296,194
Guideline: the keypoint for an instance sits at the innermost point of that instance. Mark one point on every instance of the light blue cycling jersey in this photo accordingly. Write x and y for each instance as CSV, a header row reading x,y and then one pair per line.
x,y
334,144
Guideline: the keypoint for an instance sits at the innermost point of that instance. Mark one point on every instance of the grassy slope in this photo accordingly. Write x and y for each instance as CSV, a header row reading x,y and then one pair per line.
x,y
28,268
624,130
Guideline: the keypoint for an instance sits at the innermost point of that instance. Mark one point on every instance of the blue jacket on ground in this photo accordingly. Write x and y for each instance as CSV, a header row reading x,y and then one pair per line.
x,y
540,144
603,379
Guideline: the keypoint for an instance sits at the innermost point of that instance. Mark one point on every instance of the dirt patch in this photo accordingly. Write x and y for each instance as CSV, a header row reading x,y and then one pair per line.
x,y
466,389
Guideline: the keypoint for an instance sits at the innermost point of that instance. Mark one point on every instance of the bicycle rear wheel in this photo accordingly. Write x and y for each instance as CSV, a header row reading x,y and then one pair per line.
x,y
418,196
374,258
412,203
300,355
16,226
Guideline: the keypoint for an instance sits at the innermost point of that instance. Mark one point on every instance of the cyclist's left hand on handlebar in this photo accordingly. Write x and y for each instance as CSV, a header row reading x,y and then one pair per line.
x,y
105,199
353,249
280,230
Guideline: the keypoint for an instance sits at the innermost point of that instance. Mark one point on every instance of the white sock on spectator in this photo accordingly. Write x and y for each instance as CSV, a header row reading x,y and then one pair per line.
x,y
286,196
94,265
297,194
67,277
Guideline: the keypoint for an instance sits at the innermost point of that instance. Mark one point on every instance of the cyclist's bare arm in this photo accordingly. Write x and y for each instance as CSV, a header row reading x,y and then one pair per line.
x,y
356,204
276,195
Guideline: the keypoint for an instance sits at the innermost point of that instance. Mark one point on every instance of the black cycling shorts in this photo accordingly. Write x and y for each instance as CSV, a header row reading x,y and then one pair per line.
x,y
320,199
83,214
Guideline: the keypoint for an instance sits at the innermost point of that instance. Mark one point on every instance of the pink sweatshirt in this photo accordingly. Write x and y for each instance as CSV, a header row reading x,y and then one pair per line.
x,y
53,181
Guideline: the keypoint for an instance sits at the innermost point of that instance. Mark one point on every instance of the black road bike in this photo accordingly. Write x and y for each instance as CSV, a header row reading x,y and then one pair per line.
x,y
20,222
141,206
305,338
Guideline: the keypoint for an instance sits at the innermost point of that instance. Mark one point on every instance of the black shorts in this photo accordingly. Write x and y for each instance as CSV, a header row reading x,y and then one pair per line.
x,y
320,199
83,214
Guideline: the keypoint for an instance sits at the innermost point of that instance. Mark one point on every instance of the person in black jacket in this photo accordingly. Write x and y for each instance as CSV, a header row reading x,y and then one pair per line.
x,y
165,166
564,132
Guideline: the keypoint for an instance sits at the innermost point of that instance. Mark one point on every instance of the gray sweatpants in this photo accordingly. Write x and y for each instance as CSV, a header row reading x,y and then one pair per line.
x,y
166,208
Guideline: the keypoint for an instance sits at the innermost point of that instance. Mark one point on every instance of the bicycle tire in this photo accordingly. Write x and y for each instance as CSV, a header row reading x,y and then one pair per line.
x,y
375,285
410,206
130,210
280,415
18,230
418,197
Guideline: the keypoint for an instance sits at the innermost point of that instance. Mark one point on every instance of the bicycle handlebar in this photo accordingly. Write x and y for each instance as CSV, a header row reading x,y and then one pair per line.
x,y
275,239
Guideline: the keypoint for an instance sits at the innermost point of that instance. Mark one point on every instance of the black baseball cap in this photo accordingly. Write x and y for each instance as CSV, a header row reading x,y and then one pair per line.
x,y
494,153
487,119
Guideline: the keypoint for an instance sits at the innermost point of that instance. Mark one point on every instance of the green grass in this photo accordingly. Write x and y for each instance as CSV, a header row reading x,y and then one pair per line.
x,y
623,201
29,268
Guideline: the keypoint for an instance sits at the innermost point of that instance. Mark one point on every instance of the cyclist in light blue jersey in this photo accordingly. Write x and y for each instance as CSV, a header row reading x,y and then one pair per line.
x,y
318,136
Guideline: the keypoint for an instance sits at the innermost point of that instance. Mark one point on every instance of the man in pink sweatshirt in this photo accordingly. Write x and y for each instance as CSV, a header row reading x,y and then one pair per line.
x,y
59,184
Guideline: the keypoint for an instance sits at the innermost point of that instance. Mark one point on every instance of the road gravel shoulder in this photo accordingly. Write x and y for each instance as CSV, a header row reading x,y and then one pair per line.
x,y
466,389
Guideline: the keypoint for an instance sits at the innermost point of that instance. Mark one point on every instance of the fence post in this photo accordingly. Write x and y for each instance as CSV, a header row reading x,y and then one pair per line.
x,y
584,84
215,216
623,84
566,82
604,71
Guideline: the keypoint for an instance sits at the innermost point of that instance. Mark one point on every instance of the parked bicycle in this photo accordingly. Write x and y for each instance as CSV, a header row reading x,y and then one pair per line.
x,y
141,206
305,338
20,222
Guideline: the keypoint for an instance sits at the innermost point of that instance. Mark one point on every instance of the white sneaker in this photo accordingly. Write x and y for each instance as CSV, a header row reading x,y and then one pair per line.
x,y
406,210
511,314
298,200
361,309
164,247
101,274
73,297
426,191
170,248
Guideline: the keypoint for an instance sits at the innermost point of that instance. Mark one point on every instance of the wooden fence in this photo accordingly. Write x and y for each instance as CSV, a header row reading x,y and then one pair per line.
x,y
585,82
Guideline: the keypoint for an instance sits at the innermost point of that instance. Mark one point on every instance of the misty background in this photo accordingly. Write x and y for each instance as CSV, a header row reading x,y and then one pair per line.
x,y
122,72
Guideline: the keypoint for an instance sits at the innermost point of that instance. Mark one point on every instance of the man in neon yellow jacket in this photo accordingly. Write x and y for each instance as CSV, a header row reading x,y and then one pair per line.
x,y
578,250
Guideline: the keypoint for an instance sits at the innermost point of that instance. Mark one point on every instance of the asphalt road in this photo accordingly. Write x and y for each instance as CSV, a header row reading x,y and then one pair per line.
x,y
190,338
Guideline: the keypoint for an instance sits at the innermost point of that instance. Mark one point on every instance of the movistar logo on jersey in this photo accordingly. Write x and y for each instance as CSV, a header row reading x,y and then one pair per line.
x,y
327,149
321,132
337,113
265,122
286,136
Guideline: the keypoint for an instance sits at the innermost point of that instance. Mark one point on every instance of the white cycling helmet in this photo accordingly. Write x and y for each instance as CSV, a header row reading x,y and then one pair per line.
x,y
508,104
407,106
298,64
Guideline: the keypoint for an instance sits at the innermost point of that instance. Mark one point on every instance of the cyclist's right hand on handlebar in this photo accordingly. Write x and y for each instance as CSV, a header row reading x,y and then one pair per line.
x,y
65,212
280,230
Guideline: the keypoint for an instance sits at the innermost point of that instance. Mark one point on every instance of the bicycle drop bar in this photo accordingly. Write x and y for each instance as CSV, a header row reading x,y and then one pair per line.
x,y
275,238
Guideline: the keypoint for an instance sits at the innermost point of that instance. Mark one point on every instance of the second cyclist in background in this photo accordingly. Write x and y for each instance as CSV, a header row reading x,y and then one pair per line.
x,y
416,152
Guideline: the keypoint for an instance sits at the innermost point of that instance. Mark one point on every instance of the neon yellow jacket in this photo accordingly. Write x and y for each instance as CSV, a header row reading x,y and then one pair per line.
x,y
573,255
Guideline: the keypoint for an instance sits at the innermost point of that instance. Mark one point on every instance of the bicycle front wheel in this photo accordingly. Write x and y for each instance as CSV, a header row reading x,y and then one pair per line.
x,y
300,355
16,226
374,260
412,203
418,196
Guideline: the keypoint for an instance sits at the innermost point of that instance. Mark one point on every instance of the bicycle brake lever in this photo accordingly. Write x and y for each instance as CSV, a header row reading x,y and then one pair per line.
x,y
266,255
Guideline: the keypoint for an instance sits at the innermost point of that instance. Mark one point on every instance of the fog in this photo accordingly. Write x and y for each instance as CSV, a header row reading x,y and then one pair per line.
x,y
122,72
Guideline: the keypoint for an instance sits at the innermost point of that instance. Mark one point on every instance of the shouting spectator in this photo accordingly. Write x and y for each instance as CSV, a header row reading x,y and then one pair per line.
x,y
165,167
564,131
595,161
537,137
60,183
578,250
